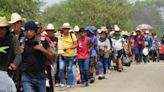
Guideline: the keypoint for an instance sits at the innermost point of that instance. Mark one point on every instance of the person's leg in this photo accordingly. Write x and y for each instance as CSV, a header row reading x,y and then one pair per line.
x,y
137,54
27,83
109,63
6,83
140,54
74,73
120,65
41,85
86,70
105,63
100,65
62,71
81,67
69,63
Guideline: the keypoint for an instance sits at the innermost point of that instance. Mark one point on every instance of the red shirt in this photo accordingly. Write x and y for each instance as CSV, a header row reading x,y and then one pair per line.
x,y
82,48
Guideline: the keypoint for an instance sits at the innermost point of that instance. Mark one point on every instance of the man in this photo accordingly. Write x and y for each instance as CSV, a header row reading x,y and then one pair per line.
x,y
52,67
117,42
10,56
34,56
16,24
69,42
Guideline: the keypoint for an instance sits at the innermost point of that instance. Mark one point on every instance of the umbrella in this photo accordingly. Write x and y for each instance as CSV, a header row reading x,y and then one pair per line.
x,y
144,27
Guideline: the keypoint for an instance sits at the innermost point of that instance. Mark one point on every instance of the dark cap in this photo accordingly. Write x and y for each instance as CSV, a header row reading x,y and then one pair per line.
x,y
31,25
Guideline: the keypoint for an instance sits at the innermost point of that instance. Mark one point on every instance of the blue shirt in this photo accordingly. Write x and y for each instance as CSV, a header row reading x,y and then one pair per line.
x,y
94,40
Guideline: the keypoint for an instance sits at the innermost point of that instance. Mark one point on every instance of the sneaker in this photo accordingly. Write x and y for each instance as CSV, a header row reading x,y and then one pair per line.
x,y
62,85
100,77
92,80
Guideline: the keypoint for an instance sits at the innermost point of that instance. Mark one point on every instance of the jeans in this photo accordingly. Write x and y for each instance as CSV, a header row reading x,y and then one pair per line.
x,y
109,63
74,73
102,63
66,62
84,69
6,83
31,84
138,54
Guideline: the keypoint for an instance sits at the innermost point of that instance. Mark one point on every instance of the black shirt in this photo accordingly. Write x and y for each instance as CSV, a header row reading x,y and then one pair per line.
x,y
33,61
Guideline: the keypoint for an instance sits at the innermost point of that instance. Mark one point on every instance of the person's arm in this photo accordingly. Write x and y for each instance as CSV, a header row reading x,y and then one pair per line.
x,y
17,54
47,52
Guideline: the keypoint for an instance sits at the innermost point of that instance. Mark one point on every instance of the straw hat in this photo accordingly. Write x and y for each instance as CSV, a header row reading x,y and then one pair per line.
x,y
50,27
123,33
116,28
103,29
126,33
66,25
71,30
76,28
15,17
3,22
147,31
111,33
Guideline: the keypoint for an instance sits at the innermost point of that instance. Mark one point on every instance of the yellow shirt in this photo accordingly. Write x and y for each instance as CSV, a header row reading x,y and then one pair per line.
x,y
67,42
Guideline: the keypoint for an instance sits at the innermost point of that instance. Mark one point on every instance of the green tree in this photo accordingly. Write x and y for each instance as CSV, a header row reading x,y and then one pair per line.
x,y
29,9
89,12
148,12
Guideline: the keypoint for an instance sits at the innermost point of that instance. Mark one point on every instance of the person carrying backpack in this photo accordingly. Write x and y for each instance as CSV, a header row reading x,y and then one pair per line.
x,y
93,55
83,55
117,42
10,56
34,57
104,51
69,42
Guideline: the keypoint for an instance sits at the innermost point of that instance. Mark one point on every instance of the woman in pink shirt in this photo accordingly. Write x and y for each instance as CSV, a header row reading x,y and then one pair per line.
x,y
83,55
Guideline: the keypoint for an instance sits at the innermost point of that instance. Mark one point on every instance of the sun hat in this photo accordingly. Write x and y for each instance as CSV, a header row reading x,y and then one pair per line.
x,y
147,31
111,33
90,29
3,22
66,26
50,27
76,28
15,17
31,25
71,30
103,29
116,28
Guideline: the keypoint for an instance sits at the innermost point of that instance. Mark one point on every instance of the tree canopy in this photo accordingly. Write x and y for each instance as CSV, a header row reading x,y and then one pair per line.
x,y
89,12
29,9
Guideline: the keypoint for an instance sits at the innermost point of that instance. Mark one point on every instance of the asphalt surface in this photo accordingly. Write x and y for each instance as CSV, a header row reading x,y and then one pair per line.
x,y
137,78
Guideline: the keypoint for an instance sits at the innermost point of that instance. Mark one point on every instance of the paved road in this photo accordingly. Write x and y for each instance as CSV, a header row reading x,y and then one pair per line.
x,y
137,78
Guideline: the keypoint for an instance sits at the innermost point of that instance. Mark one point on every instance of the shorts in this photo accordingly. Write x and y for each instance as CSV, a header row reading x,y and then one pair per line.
x,y
119,53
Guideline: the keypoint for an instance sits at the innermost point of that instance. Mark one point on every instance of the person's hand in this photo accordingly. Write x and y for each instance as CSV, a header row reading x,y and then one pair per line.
x,y
38,47
12,67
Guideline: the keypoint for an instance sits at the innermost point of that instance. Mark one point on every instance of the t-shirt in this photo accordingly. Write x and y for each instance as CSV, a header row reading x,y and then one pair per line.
x,y
68,41
105,45
117,42
83,46
139,41
95,42
33,61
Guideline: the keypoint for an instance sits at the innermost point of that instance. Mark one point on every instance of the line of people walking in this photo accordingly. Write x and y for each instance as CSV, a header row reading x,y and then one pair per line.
x,y
37,59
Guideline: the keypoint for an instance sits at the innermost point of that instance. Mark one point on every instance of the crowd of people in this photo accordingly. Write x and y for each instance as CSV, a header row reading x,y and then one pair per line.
x,y
40,59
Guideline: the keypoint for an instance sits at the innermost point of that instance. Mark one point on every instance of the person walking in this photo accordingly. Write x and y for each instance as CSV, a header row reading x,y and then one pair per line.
x,y
34,56
69,42
10,56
